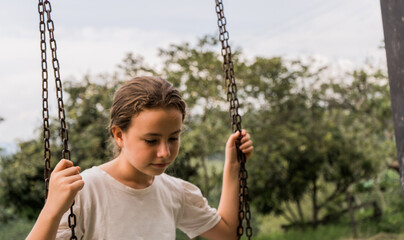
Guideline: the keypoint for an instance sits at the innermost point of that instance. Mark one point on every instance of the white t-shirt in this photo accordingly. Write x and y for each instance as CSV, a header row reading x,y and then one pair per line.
x,y
107,209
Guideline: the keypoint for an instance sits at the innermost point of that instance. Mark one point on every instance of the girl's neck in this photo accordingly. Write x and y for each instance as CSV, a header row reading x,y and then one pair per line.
x,y
127,175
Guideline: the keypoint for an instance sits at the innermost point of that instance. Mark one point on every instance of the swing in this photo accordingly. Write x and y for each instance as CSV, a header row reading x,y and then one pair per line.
x,y
44,9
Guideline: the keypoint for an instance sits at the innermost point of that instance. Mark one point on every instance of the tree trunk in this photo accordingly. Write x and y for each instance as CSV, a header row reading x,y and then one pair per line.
x,y
351,214
205,158
205,177
315,205
299,208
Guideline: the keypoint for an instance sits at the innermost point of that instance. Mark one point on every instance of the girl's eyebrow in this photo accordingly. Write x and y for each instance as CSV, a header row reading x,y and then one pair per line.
x,y
159,135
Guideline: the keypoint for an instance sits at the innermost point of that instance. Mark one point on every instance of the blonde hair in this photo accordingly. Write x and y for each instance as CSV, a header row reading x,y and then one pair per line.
x,y
138,94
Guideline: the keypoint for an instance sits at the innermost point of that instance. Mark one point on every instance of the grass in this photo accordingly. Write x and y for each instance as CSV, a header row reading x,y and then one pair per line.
x,y
332,232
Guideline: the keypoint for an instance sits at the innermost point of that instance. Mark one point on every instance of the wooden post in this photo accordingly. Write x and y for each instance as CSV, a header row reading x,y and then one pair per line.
x,y
393,26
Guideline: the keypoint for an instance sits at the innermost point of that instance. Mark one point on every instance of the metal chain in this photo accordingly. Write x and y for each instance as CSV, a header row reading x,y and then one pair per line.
x,y
45,111
44,6
244,206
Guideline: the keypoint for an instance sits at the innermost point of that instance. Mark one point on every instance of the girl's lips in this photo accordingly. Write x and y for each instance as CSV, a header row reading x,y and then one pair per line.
x,y
159,165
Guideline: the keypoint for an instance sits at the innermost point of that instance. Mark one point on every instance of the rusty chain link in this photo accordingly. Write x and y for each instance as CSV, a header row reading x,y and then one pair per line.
x,y
244,206
45,111
44,6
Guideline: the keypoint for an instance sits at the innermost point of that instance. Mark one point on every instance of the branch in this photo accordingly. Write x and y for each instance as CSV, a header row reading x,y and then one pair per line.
x,y
334,216
394,165
291,211
289,219
299,208
338,191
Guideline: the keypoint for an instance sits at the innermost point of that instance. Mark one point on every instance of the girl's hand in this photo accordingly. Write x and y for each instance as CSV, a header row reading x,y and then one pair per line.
x,y
65,182
246,146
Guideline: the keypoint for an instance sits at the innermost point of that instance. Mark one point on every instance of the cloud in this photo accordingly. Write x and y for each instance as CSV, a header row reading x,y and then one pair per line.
x,y
96,40
82,51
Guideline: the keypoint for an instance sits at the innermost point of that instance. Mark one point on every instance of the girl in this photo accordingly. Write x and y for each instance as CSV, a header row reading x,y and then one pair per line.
x,y
131,197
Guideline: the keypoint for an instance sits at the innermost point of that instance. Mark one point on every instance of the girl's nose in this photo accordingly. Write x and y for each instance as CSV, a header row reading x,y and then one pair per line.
x,y
164,150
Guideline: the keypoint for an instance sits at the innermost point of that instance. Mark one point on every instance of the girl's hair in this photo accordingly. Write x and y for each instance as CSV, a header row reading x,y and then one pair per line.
x,y
138,94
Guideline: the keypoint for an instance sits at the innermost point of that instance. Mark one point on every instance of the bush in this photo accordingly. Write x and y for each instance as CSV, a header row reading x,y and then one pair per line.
x,y
16,229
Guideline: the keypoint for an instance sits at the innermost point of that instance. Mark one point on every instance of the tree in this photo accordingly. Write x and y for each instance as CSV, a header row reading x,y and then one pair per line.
x,y
316,146
21,180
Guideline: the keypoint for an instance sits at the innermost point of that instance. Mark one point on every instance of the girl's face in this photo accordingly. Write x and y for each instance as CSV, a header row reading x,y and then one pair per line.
x,y
152,141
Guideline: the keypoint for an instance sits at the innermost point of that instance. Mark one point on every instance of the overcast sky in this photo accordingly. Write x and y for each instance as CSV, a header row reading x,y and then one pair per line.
x,y
93,37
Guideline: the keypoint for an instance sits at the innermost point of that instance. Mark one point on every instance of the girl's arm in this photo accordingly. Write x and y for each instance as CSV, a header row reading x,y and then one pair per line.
x,y
229,200
65,182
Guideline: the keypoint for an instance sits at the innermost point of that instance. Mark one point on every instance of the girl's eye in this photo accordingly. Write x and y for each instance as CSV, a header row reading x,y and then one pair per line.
x,y
174,139
150,141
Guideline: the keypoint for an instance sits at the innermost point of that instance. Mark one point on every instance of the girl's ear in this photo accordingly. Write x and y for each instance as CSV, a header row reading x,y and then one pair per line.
x,y
118,135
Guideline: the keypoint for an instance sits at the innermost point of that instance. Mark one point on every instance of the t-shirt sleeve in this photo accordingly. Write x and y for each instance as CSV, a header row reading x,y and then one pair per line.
x,y
197,216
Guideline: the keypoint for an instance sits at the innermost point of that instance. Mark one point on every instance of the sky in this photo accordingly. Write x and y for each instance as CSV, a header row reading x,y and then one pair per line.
x,y
94,36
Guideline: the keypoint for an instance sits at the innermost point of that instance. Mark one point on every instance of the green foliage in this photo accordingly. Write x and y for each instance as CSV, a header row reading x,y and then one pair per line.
x,y
88,106
21,181
17,229
392,222
321,138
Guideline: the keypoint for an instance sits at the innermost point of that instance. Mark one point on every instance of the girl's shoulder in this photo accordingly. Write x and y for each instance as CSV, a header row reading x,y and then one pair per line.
x,y
183,186
92,174
171,180
94,178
